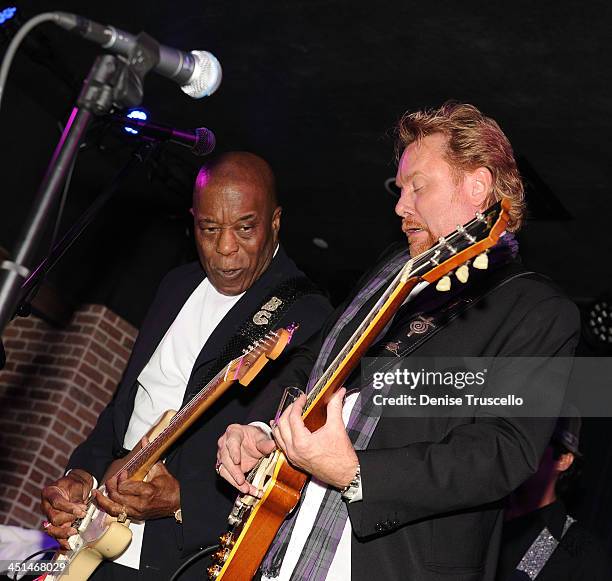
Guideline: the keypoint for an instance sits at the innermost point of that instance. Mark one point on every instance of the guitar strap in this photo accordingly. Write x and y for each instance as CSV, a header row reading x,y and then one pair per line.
x,y
322,542
275,304
255,326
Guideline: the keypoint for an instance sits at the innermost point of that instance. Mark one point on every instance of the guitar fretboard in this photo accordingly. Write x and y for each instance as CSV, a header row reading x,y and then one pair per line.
x,y
229,372
461,238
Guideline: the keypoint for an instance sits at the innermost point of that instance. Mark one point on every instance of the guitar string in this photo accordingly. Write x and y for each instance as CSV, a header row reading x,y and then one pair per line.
x,y
458,236
145,453
421,261
195,402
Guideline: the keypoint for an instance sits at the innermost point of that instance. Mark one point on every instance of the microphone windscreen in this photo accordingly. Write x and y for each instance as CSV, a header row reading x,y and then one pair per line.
x,y
205,141
206,76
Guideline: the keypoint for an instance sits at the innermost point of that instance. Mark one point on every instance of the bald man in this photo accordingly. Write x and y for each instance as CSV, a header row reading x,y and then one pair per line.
x,y
197,311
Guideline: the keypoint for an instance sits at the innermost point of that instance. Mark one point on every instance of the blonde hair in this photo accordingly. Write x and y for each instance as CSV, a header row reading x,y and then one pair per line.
x,y
474,141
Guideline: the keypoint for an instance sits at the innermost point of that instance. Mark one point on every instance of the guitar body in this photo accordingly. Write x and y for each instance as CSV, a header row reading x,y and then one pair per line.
x,y
260,521
255,522
101,536
111,540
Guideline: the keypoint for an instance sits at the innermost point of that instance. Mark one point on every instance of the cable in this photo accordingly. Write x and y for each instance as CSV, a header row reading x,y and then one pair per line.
x,y
14,45
192,560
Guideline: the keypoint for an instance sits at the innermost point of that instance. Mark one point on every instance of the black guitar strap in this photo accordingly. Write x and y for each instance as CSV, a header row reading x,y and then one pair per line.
x,y
437,314
255,326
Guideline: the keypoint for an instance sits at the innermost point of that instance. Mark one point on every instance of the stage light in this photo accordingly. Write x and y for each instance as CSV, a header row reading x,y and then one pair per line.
x,y
7,13
140,114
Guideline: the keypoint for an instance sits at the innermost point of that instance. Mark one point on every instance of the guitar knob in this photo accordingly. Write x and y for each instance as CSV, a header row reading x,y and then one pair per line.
x,y
482,261
221,555
226,540
444,284
213,571
463,273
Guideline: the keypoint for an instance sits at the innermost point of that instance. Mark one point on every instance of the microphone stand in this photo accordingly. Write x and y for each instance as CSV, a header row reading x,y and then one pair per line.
x,y
112,82
30,287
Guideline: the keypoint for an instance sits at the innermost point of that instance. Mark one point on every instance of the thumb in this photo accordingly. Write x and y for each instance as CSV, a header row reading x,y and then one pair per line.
x,y
158,469
266,446
334,407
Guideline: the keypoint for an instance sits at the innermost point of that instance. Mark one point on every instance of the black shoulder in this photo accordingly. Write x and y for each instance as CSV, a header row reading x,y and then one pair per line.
x,y
191,269
581,543
531,292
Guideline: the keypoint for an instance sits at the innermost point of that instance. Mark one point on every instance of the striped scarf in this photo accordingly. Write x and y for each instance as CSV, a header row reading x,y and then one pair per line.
x,y
322,542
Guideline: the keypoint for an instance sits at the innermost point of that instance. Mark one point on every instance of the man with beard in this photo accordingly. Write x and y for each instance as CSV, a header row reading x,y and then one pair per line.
x,y
418,498
242,280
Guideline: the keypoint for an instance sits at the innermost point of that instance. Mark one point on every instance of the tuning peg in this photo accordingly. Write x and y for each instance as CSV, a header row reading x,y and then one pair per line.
x,y
444,284
463,273
482,261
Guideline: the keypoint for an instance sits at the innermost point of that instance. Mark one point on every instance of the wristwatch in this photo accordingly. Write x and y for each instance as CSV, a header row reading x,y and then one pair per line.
x,y
354,486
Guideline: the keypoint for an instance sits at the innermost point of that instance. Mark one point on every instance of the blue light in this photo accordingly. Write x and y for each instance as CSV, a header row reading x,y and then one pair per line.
x,y
140,114
7,14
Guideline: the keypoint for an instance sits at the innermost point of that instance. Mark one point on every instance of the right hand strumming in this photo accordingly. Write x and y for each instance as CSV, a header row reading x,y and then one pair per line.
x,y
63,501
239,449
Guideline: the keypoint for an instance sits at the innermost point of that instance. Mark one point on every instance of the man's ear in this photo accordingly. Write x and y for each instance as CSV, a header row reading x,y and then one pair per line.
x,y
276,219
564,462
481,186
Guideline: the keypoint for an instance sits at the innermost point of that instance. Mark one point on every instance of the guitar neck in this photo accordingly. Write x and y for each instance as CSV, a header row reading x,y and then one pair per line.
x,y
242,369
140,464
350,355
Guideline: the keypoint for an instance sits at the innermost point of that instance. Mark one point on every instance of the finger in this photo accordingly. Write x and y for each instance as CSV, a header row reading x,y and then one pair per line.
x,y
334,408
234,478
64,545
130,490
266,446
233,444
59,519
158,469
108,505
59,502
60,532
295,421
283,427
111,483
278,437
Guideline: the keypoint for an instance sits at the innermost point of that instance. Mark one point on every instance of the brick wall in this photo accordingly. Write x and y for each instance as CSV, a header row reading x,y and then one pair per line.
x,y
52,389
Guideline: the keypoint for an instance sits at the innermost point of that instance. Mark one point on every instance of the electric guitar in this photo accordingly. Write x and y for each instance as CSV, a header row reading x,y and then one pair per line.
x,y
255,522
101,536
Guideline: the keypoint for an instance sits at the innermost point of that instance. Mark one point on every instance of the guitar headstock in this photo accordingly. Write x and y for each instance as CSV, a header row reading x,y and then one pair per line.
x,y
456,251
244,368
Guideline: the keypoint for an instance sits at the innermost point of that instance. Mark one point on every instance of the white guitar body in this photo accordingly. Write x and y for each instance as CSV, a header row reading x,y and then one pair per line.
x,y
100,537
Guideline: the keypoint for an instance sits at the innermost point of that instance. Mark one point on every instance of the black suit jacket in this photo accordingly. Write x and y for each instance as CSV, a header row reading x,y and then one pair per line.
x,y
205,499
433,487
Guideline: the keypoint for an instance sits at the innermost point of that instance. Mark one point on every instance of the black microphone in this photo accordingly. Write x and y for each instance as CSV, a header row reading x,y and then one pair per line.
x,y
198,72
201,141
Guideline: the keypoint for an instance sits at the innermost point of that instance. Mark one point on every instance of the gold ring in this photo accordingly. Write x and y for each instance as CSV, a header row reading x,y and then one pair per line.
x,y
122,517
218,467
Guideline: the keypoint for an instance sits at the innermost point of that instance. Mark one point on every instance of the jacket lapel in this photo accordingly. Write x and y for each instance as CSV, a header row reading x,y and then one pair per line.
x,y
281,268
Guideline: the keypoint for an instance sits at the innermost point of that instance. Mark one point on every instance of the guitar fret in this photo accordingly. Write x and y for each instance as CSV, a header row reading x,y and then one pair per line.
x,y
143,455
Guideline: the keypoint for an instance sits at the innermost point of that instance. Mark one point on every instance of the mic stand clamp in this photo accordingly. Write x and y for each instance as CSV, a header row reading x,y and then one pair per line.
x,y
112,81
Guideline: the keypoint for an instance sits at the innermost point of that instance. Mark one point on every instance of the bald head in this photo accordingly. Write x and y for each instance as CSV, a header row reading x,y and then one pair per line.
x,y
236,220
239,166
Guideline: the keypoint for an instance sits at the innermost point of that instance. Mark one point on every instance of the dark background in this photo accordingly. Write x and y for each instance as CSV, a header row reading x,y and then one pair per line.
x,y
316,87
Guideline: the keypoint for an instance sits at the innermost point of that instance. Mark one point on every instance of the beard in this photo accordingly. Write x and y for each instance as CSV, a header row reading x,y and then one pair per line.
x,y
418,242
419,246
